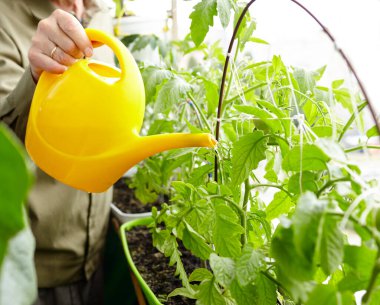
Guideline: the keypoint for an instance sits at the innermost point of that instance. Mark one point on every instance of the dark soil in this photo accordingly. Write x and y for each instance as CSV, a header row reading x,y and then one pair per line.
x,y
124,198
154,266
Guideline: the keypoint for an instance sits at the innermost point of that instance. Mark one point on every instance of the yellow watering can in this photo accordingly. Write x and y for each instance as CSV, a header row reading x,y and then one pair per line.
x,y
84,124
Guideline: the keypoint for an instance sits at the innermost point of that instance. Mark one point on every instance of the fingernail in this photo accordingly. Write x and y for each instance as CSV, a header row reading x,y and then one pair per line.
x,y
88,52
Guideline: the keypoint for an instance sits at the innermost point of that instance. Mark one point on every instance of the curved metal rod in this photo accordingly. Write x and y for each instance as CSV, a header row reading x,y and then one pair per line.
x,y
331,37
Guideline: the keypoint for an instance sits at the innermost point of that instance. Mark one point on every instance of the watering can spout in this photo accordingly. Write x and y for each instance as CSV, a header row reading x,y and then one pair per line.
x,y
151,145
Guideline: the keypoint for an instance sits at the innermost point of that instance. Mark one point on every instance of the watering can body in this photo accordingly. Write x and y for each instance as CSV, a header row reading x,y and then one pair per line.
x,y
83,126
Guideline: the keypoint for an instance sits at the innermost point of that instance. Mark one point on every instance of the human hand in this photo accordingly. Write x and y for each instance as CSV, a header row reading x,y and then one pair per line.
x,y
58,42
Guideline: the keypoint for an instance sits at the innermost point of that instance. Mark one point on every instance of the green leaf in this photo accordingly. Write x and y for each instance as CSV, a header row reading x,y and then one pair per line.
x,y
209,294
260,226
246,30
152,77
15,180
360,260
372,132
265,291
270,168
171,93
302,182
224,11
200,274
129,39
293,267
161,126
265,117
212,96
199,175
337,83
305,80
332,149
319,72
247,152
262,293
194,129
186,292
243,295
146,182
143,41
327,295
323,131
167,244
280,114
330,244
309,158
375,295
223,269
195,243
248,265
202,218
258,40
227,232
202,18
344,97
298,288
278,64
306,221
281,204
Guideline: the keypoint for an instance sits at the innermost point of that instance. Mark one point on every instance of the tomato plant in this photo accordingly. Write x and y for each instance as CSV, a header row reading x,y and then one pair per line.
x,y
273,224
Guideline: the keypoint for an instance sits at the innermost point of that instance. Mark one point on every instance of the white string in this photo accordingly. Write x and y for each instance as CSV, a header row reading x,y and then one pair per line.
x,y
236,80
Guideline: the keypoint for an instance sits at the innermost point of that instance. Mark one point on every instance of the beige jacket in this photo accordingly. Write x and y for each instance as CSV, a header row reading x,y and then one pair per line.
x,y
69,225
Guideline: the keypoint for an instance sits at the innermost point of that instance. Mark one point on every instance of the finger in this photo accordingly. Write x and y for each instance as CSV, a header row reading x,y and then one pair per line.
x,y
56,53
60,39
62,57
73,29
42,62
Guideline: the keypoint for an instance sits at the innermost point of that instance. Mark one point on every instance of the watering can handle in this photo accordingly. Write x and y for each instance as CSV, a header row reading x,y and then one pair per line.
x,y
125,59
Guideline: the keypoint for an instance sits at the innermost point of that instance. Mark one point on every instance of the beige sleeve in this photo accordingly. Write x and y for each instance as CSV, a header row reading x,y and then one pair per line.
x,y
16,86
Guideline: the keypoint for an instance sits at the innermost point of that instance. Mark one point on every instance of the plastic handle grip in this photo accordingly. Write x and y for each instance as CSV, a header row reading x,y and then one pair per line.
x,y
122,54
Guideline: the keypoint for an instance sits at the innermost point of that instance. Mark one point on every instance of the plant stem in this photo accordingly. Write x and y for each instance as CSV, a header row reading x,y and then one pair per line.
x,y
196,113
270,277
277,137
361,147
247,190
372,281
199,111
233,204
306,97
351,119
356,221
272,185
331,183
245,92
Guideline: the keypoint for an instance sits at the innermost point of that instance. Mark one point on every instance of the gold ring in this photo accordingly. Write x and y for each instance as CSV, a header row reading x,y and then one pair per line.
x,y
53,51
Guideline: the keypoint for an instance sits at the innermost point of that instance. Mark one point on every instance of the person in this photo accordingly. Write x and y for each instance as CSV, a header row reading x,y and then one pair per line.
x,y
69,225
